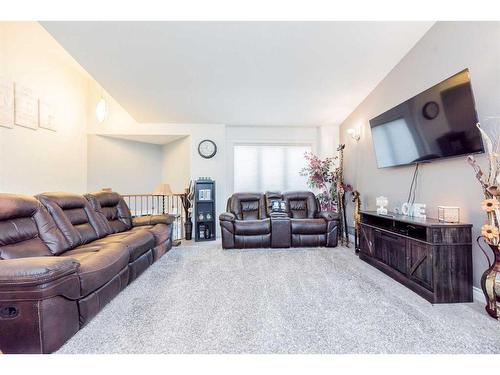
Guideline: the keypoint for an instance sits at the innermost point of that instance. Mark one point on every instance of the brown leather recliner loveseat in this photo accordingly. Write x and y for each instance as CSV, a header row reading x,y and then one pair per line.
x,y
250,223
63,257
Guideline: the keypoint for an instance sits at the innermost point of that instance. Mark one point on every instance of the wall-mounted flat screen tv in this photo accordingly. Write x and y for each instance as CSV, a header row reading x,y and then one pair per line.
x,y
437,123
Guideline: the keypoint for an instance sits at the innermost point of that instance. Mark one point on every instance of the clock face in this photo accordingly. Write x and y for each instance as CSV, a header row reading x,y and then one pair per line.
x,y
430,110
207,149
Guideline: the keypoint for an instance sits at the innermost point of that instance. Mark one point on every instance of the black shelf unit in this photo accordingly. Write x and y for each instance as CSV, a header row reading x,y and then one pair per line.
x,y
204,207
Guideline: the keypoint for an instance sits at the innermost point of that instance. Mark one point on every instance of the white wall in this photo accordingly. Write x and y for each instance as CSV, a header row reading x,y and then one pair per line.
x,y
328,139
445,50
176,164
200,167
127,167
33,161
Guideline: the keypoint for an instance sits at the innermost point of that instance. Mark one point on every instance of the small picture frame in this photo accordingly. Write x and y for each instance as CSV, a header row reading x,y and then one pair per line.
x,y
204,195
278,206
275,207
449,214
283,206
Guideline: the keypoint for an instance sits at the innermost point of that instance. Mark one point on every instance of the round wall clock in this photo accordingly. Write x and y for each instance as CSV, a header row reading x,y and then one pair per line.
x,y
207,149
430,110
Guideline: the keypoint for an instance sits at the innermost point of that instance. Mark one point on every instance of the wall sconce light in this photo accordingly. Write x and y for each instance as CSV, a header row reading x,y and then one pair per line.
x,y
101,110
355,133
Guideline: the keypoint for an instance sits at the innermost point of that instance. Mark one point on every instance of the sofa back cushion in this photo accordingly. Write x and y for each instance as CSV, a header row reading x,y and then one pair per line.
x,y
301,204
247,206
112,208
74,217
27,229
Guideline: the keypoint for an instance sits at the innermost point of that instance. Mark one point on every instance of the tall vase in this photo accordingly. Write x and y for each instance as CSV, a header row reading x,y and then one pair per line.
x,y
188,229
490,283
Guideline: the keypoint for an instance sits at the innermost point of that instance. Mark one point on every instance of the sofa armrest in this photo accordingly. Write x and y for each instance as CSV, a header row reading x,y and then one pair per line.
x,y
328,215
140,221
226,221
227,216
35,270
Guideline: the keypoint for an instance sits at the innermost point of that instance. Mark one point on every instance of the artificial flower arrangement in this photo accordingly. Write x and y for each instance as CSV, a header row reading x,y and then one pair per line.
x,y
322,175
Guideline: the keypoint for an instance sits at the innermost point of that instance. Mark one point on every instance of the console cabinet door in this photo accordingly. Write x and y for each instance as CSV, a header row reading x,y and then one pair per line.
x,y
366,240
391,249
420,263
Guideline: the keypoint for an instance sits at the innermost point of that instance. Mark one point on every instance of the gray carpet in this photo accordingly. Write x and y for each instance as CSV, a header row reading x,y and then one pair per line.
x,y
202,299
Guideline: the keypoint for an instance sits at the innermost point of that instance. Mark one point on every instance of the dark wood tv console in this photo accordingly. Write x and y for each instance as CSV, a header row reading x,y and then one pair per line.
x,y
431,258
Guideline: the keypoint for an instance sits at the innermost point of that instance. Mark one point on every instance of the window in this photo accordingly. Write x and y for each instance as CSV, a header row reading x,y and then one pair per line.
x,y
260,168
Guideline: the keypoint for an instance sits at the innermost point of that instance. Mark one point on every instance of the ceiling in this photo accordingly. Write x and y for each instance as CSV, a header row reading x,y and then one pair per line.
x,y
157,139
238,73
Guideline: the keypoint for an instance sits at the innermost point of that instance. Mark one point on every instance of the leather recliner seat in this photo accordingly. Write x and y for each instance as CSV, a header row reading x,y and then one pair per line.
x,y
62,260
246,224
250,223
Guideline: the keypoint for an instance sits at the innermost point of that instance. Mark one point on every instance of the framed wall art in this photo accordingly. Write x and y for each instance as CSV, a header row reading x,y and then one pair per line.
x,y
46,117
25,107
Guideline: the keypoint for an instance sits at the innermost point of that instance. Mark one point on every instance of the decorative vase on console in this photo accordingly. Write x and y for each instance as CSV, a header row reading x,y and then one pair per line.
x,y
490,283
490,183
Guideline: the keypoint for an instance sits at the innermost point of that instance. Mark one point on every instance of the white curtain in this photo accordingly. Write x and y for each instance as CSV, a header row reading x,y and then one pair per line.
x,y
264,167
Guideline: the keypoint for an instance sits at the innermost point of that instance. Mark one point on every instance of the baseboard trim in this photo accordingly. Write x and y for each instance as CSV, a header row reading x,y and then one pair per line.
x,y
478,294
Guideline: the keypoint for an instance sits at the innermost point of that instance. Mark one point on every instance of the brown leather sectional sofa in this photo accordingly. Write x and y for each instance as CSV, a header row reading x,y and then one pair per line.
x,y
63,257
250,223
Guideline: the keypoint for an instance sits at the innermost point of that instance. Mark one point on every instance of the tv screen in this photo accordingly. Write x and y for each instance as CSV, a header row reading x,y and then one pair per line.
x,y
437,123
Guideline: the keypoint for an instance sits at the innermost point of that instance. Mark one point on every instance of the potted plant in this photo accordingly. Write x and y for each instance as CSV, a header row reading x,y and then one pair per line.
x,y
187,204
490,183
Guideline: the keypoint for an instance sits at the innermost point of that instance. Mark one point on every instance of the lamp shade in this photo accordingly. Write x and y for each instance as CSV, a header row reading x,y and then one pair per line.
x,y
163,189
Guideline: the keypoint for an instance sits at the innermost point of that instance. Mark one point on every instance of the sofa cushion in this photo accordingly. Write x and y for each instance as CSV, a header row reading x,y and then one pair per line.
x,y
137,242
74,217
308,226
160,232
252,227
111,206
98,264
27,229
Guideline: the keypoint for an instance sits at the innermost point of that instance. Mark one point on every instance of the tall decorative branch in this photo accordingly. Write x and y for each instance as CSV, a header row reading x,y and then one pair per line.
x,y
187,200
